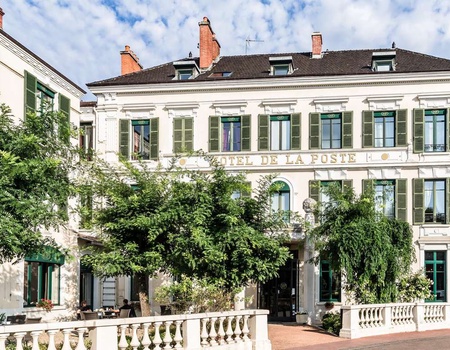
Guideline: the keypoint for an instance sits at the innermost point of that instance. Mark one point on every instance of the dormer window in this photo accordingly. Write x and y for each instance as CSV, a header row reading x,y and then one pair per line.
x,y
220,74
185,70
383,61
281,65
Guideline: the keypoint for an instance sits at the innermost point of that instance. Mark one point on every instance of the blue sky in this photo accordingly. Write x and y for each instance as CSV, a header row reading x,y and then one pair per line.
x,y
82,38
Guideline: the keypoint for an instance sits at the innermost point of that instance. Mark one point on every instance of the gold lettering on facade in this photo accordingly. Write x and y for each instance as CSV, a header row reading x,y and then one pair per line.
x,y
264,160
299,160
231,160
324,158
314,157
240,160
247,161
273,160
333,158
288,161
342,155
351,158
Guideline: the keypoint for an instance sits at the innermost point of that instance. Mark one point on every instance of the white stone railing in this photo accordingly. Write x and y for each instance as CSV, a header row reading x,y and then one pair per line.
x,y
377,319
231,330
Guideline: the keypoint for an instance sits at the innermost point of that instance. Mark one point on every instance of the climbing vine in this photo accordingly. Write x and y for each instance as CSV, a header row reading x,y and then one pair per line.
x,y
369,250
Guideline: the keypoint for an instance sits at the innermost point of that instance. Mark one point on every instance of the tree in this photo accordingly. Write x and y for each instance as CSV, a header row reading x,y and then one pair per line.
x,y
185,222
35,160
370,251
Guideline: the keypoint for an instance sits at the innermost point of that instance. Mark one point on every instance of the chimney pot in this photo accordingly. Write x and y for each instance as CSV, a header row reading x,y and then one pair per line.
x,y
209,46
129,60
316,45
1,18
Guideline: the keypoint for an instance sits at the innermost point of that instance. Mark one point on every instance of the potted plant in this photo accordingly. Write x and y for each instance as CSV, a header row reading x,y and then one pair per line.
x,y
301,317
329,305
46,304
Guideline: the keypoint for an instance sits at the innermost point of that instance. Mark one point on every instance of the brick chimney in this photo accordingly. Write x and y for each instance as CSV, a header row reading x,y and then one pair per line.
x,y
316,45
1,18
130,62
209,46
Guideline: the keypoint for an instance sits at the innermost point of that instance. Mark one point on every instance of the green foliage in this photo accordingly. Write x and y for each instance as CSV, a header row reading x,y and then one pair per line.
x,y
184,222
413,287
331,322
194,296
371,251
35,161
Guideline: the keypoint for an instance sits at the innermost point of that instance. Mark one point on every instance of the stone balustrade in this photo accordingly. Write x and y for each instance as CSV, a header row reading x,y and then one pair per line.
x,y
240,330
378,319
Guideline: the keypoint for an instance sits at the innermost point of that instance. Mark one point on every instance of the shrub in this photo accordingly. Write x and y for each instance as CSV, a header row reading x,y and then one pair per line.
x,y
331,322
413,287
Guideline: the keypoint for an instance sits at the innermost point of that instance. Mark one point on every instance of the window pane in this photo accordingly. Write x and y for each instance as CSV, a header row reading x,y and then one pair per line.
x,y
275,135
285,134
326,133
236,136
336,133
55,284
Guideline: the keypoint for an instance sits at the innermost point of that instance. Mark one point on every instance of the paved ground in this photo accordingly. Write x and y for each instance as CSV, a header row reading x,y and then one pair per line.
x,y
290,336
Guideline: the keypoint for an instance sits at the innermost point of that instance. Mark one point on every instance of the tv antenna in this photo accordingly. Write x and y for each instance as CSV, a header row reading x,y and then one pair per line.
x,y
248,41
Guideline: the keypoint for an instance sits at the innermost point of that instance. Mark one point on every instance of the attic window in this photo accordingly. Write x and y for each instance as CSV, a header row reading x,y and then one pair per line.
x,y
221,74
383,61
281,65
185,70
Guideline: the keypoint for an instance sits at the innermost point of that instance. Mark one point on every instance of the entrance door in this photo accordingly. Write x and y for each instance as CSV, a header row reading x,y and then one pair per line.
x,y
435,269
280,295
86,286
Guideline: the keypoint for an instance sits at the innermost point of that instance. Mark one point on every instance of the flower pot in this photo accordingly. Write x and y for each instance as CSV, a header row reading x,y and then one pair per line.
x,y
301,318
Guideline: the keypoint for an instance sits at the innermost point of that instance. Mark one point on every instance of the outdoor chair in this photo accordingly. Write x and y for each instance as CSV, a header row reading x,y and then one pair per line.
x,y
16,319
124,313
89,315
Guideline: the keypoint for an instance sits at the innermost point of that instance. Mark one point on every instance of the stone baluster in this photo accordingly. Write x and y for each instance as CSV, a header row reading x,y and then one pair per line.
x,y
221,332
3,338
178,338
134,339
66,340
19,337
146,342
237,330
157,339
245,330
123,339
167,337
204,334
35,341
51,339
212,332
230,333
80,345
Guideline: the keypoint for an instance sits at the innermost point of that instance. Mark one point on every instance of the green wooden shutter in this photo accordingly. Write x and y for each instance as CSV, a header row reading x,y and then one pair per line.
x,y
418,195
124,138
178,135
347,121
401,128
347,183
214,127
263,132
314,190
314,130
64,107
419,121
368,124
245,132
400,199
189,134
447,198
154,138
367,185
447,116
30,92
296,131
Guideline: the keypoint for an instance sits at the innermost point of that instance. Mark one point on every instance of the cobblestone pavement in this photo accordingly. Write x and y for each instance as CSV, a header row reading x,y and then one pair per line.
x,y
290,336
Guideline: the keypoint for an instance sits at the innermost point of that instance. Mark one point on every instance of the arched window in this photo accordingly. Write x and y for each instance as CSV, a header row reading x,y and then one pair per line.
x,y
281,200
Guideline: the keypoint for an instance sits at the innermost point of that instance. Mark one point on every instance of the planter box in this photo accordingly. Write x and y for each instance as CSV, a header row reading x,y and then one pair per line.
x,y
301,318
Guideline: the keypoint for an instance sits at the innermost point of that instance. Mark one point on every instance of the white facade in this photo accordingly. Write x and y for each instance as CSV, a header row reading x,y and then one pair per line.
x,y
16,62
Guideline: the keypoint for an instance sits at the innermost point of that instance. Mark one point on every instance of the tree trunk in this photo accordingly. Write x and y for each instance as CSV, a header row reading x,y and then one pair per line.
x,y
143,294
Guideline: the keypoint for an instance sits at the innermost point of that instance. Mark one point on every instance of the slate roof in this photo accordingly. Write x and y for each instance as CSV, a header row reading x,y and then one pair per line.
x,y
333,63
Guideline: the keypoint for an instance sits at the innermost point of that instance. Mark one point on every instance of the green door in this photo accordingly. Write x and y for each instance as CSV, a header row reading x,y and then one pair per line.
x,y
435,269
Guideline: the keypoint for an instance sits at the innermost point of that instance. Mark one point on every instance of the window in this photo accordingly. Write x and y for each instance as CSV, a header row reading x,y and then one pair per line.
x,y
434,201
220,75
435,128
385,129
436,270
330,283
242,192
430,201
183,135
42,274
384,197
229,134
330,130
185,70
44,98
281,200
184,74
279,132
280,65
138,139
383,61
86,140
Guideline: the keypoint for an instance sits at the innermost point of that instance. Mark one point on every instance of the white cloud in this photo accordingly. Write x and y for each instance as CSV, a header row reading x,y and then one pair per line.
x,y
83,38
